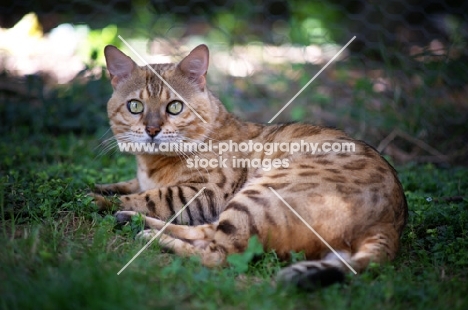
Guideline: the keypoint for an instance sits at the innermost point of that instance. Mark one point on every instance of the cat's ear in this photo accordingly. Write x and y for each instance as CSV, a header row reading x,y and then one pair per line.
x,y
195,65
119,65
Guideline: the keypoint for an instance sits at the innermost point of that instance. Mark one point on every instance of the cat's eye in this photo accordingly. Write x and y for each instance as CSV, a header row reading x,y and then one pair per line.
x,y
175,107
135,106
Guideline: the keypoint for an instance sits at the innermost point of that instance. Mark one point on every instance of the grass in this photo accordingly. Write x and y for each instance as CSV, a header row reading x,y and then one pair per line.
x,y
58,252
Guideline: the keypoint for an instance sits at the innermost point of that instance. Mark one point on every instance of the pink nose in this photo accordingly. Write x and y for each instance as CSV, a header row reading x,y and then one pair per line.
x,y
152,131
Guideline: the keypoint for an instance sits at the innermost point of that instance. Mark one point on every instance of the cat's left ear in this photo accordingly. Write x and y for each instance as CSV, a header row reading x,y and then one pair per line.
x,y
195,65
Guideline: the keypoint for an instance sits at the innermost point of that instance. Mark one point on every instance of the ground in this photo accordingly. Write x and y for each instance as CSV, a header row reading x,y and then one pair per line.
x,y
59,252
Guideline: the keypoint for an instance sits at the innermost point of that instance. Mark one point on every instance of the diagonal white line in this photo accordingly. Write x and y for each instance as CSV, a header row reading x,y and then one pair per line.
x,y
160,232
312,79
160,77
313,230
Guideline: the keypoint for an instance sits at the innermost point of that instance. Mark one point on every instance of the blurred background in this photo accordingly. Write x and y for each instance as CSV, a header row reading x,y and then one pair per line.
x,y
401,85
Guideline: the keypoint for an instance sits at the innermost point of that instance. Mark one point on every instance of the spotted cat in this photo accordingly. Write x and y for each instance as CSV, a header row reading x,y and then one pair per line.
x,y
352,200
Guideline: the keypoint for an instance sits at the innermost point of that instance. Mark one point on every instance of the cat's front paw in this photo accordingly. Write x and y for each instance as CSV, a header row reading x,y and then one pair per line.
x,y
123,217
103,189
103,203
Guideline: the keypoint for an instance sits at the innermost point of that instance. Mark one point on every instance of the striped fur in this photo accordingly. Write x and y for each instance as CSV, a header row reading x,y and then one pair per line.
x,y
353,200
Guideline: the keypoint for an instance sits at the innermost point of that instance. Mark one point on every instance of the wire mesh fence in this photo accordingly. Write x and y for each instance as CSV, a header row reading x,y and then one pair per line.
x,y
401,84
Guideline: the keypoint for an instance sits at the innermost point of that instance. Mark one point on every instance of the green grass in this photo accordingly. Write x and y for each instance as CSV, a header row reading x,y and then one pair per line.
x,y
58,252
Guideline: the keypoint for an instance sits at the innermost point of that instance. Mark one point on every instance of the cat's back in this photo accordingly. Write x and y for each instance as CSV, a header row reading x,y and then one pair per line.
x,y
340,186
325,163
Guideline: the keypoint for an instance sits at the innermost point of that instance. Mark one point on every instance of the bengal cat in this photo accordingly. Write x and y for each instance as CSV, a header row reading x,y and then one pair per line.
x,y
352,199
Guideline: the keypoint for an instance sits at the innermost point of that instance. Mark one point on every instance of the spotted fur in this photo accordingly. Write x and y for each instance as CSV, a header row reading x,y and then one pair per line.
x,y
353,200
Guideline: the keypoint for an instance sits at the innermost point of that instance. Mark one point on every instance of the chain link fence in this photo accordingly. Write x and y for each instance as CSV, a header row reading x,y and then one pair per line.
x,y
401,84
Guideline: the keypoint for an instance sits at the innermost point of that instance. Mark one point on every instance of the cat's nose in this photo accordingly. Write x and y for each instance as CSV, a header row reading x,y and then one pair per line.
x,y
152,131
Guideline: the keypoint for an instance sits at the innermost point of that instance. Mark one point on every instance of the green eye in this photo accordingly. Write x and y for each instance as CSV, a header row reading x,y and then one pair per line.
x,y
135,106
175,107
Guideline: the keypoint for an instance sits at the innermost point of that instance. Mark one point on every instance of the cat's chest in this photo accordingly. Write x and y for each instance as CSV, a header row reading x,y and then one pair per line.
x,y
157,172
146,183
158,177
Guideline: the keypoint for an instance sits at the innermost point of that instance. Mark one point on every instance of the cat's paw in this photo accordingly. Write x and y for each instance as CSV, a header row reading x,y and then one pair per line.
x,y
102,202
102,189
123,217
147,234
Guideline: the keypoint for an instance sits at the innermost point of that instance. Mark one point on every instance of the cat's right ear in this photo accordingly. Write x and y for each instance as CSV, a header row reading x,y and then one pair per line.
x,y
119,65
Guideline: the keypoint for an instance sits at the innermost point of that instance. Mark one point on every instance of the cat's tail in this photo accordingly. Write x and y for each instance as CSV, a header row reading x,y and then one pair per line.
x,y
315,274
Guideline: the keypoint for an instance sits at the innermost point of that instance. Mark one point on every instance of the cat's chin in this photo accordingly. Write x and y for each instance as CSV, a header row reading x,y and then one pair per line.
x,y
151,152
148,146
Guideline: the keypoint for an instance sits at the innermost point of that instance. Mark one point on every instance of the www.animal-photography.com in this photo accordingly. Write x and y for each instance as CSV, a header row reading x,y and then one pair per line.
x,y
233,154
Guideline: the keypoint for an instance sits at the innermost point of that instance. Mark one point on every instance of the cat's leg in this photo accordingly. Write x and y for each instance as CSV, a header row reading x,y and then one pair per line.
x,y
103,203
230,235
379,245
252,211
165,202
203,232
121,188
202,247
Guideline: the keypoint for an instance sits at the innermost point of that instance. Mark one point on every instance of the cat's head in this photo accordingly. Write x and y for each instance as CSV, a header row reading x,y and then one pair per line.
x,y
163,103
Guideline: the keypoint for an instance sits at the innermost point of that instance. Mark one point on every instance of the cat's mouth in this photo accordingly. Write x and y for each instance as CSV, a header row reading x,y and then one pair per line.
x,y
162,144
162,140
151,145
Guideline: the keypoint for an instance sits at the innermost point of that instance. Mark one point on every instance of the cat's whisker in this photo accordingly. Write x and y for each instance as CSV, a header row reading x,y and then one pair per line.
x,y
197,141
104,142
105,133
181,156
109,149
196,166
110,145
207,137
185,157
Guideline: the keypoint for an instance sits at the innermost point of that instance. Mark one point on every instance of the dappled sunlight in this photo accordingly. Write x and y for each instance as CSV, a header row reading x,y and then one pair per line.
x,y
62,54
366,97
25,50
